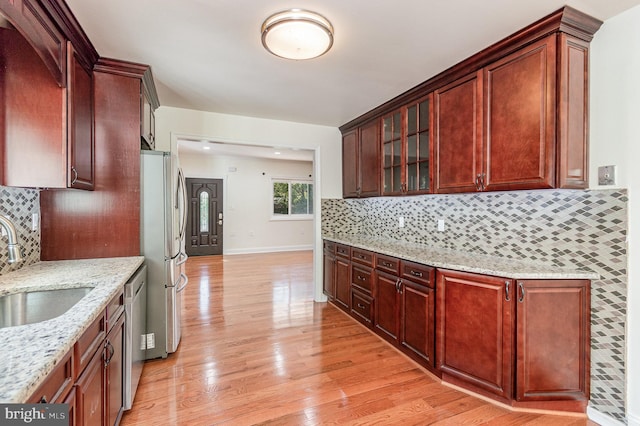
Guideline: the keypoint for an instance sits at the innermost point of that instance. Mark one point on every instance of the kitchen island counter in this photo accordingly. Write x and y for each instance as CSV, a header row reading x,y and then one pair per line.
x,y
28,353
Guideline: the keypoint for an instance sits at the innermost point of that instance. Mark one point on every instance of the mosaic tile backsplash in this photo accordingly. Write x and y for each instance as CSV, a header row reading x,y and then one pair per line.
x,y
565,228
18,204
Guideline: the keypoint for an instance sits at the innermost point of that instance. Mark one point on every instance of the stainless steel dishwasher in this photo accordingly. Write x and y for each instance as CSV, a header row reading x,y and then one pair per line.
x,y
135,309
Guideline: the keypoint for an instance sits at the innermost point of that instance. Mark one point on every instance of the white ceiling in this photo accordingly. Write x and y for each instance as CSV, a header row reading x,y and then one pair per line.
x,y
206,147
207,54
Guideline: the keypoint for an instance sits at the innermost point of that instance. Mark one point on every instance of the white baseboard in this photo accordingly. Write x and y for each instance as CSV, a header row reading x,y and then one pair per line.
x,y
252,250
633,419
604,419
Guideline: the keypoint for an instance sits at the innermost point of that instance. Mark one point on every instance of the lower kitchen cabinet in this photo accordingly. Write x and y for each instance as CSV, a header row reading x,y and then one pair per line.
x,y
475,332
417,314
114,373
90,393
387,318
329,270
343,277
525,343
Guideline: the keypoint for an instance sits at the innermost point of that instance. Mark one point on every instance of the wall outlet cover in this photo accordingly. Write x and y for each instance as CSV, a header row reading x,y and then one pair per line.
x,y
607,175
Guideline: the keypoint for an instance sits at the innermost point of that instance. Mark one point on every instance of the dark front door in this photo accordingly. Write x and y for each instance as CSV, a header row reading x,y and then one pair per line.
x,y
204,222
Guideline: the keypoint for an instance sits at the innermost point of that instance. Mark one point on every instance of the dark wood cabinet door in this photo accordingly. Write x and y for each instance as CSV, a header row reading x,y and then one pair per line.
x,y
417,321
71,401
475,331
350,164
553,338
387,301
369,160
343,283
80,137
90,393
519,103
329,275
114,348
458,135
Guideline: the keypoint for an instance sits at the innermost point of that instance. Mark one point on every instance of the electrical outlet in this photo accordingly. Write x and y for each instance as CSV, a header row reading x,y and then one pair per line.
x,y
143,342
35,221
151,340
401,222
440,225
607,175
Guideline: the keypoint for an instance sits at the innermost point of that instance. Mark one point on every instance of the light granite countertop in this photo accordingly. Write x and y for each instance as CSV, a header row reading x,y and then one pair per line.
x,y
28,353
460,261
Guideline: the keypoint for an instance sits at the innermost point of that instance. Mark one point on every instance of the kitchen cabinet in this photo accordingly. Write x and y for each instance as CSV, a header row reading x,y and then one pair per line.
x,y
405,307
362,285
90,393
80,140
148,122
47,103
361,161
514,116
343,277
475,320
406,147
114,373
58,384
329,270
506,339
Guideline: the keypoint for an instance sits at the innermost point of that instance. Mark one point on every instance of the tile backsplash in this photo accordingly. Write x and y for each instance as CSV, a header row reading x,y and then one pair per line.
x,y
566,228
19,204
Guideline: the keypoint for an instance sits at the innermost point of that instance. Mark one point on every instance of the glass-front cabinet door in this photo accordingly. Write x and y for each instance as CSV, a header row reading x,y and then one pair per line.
x,y
406,146
418,137
392,149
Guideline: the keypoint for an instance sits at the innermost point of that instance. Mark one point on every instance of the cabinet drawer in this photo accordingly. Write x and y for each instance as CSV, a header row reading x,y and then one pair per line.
x,y
362,307
89,343
329,247
115,308
362,256
388,264
343,250
362,277
57,384
418,273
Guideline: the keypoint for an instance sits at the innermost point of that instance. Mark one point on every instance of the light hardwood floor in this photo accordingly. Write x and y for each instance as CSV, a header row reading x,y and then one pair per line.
x,y
256,349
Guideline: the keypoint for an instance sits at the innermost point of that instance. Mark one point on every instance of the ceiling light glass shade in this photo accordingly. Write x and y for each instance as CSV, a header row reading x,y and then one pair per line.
x,y
297,34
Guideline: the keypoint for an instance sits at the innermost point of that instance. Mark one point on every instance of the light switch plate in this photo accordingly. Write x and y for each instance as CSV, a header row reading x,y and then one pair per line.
x,y
607,175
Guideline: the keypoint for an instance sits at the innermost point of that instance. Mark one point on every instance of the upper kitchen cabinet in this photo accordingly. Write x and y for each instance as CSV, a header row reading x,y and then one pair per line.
x,y
406,149
513,116
47,89
149,103
361,161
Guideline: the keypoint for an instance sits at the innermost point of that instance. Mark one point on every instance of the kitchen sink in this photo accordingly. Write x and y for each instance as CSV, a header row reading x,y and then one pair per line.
x,y
30,307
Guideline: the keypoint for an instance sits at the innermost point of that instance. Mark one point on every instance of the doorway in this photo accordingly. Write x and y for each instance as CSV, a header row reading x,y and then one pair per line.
x,y
205,219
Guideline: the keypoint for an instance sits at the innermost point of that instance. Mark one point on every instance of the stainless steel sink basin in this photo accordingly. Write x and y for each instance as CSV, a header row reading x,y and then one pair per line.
x,y
30,307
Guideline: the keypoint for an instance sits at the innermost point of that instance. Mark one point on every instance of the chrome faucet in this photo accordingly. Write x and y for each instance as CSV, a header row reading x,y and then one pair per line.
x,y
13,247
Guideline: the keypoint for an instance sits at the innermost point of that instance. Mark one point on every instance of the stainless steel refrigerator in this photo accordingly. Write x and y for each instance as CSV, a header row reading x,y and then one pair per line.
x,y
163,223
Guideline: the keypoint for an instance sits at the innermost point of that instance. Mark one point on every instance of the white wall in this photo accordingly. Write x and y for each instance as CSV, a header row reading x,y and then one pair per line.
x,y
615,140
172,123
248,225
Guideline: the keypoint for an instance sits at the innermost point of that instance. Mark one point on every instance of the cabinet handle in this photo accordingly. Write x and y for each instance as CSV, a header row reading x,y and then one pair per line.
x,y
400,283
75,175
482,179
508,285
361,278
111,349
477,182
416,273
521,287
361,306
43,400
387,264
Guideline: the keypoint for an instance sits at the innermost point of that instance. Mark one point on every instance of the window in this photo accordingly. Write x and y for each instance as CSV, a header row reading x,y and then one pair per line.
x,y
292,199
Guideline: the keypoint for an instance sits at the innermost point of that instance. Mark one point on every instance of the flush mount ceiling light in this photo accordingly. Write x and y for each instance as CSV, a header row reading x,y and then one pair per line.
x,y
297,34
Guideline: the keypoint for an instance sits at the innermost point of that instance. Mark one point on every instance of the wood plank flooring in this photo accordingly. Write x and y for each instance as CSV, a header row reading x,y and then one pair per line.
x,y
256,350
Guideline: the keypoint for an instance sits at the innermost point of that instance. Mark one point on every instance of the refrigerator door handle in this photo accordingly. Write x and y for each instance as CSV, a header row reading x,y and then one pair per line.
x,y
181,196
182,258
179,286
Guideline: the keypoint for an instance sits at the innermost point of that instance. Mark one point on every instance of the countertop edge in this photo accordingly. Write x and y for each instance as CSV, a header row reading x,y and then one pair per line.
x,y
461,261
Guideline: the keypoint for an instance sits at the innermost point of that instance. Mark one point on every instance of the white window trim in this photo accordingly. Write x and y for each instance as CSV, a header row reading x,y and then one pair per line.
x,y
290,217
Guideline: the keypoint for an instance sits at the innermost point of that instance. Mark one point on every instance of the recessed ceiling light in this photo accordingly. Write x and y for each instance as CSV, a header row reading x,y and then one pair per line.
x,y
297,34
277,153
206,147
